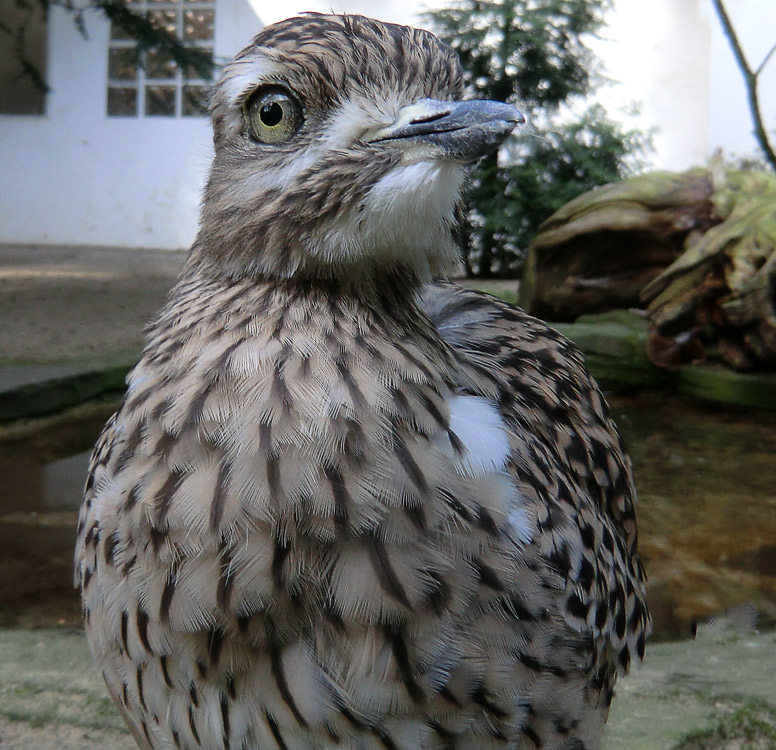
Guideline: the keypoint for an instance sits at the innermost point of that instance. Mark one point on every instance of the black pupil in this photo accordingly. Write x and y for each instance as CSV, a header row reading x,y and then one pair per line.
x,y
271,114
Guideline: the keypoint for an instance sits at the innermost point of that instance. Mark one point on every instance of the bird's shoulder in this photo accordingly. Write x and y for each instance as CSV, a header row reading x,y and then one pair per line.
x,y
541,384
567,457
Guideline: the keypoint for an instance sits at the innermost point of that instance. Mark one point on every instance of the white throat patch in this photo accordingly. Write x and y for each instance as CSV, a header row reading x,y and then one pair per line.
x,y
406,217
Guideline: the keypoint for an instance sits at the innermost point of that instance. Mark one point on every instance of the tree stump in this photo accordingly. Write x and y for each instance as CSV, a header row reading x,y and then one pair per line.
x,y
697,250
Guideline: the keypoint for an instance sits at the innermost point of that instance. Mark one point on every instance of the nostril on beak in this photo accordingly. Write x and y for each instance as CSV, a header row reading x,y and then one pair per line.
x,y
429,118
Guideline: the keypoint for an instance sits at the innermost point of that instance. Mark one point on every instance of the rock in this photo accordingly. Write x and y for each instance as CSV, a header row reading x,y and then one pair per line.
x,y
720,384
723,286
614,345
697,250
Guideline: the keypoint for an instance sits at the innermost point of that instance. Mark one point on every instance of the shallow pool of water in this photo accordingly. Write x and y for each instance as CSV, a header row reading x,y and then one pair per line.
x,y
42,472
706,477
707,509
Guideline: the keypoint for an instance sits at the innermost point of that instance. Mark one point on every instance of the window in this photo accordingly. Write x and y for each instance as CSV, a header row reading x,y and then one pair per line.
x,y
22,59
154,85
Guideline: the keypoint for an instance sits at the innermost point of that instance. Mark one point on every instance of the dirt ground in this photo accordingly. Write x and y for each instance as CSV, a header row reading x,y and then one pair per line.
x,y
713,693
60,304
20,735
71,303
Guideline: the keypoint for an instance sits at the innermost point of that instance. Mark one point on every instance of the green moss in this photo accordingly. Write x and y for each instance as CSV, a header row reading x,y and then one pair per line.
x,y
504,290
720,384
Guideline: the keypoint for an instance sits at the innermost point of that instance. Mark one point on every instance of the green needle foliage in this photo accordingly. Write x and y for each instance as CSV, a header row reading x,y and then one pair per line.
x,y
194,61
532,53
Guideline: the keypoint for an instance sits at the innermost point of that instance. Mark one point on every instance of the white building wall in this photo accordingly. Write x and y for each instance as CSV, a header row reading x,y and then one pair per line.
x,y
657,54
730,122
393,11
77,176
672,57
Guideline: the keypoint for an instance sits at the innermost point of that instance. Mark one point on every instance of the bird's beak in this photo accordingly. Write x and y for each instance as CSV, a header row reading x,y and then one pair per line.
x,y
460,131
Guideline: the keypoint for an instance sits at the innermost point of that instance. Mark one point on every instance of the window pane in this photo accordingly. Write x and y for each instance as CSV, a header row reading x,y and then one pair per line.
x,y
194,101
165,19
122,101
159,64
198,24
24,23
116,32
122,63
190,71
156,86
160,100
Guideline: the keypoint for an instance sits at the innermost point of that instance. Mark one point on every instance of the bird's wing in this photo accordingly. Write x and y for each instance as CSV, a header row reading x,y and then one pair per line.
x,y
87,527
565,453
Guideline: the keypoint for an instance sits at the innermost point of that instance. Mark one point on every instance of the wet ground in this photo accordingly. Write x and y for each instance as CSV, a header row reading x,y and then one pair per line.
x,y
707,509
42,470
706,477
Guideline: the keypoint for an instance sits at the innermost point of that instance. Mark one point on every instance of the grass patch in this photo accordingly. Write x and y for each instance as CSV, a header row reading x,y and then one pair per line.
x,y
40,706
751,726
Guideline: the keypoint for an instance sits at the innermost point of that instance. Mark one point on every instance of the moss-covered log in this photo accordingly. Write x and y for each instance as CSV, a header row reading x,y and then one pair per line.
x,y
697,250
599,251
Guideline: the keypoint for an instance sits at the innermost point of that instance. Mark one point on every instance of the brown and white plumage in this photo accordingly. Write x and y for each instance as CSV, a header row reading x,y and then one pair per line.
x,y
340,508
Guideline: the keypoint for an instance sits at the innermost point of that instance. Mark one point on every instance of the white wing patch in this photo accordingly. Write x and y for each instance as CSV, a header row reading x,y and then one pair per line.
x,y
478,424
520,525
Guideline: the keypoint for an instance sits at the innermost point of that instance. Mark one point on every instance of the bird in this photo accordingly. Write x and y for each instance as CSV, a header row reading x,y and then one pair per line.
x,y
346,503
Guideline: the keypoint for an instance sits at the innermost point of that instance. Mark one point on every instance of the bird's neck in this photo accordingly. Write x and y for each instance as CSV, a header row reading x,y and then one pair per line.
x,y
237,242
389,288
307,317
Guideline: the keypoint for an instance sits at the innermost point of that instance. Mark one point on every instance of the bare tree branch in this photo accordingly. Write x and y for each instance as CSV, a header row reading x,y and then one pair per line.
x,y
750,79
765,60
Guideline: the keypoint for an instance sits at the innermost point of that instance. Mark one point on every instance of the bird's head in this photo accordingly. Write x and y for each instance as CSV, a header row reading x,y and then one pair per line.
x,y
341,146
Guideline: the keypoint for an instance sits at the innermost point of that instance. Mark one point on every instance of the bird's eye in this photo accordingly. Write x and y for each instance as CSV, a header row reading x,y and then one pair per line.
x,y
273,116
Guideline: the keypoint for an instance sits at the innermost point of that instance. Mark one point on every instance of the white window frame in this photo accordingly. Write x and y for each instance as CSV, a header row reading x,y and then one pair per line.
x,y
178,82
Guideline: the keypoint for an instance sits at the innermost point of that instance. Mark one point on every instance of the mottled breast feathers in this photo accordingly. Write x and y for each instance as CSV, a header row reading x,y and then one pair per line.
x,y
261,496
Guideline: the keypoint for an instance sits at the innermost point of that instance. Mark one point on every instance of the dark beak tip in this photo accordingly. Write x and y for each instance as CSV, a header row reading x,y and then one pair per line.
x,y
514,116
507,114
